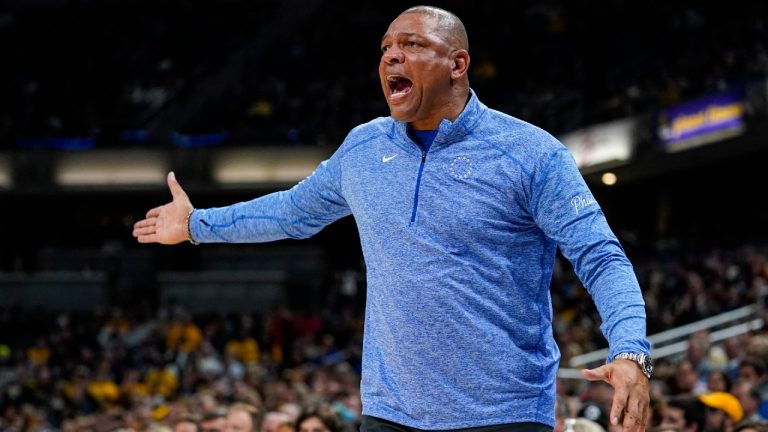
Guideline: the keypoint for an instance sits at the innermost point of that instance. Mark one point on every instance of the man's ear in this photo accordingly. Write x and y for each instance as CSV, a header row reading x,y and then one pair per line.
x,y
460,63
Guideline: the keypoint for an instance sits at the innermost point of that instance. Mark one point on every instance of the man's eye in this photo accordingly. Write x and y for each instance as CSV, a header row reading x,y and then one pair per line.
x,y
384,48
412,44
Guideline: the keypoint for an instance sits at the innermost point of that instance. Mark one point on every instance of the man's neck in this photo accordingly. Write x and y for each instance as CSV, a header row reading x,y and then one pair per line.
x,y
451,112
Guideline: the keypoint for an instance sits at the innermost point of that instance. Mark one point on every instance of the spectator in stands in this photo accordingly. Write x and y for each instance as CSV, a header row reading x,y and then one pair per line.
x,y
161,379
718,381
286,427
319,418
687,379
752,370
698,350
273,420
102,388
749,397
243,417
214,421
734,349
186,423
656,415
684,412
244,347
183,336
723,411
714,361
416,363
40,352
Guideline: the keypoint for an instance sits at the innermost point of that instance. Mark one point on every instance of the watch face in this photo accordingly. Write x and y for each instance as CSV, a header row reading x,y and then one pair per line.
x,y
647,366
644,361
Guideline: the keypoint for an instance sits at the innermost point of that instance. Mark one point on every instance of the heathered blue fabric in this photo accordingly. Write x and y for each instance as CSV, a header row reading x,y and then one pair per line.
x,y
458,317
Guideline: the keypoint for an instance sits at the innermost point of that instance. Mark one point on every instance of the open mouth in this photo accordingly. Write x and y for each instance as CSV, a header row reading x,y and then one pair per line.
x,y
399,86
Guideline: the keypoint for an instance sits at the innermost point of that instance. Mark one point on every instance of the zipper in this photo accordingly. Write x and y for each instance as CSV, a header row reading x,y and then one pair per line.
x,y
418,184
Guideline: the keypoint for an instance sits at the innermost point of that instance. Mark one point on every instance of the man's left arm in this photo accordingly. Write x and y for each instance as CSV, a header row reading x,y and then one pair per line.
x,y
564,208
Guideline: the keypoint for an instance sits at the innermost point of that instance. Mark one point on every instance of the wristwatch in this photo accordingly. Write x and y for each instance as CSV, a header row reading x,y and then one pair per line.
x,y
645,362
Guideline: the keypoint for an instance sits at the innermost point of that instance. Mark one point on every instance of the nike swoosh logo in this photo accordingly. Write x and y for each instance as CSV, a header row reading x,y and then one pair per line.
x,y
386,159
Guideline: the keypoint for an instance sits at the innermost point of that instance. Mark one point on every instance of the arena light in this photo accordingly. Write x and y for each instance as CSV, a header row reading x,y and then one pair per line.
x,y
265,165
609,179
111,167
6,174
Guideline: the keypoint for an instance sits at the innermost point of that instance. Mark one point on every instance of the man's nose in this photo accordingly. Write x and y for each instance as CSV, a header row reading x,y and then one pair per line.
x,y
393,55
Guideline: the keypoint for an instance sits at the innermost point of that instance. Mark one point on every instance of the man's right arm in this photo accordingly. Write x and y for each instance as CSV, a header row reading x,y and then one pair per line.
x,y
299,212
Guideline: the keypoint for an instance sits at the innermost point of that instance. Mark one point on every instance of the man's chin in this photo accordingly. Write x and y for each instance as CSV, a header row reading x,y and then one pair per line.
x,y
400,115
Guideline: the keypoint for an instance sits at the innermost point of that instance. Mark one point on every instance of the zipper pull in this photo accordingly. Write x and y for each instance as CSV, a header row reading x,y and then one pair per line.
x,y
423,156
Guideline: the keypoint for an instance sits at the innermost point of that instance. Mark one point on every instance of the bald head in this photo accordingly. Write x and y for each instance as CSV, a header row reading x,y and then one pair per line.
x,y
451,26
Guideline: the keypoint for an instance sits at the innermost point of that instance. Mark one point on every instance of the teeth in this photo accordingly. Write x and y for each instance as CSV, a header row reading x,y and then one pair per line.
x,y
393,81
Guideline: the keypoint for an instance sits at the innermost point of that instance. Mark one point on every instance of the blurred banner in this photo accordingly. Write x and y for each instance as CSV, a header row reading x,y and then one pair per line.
x,y
202,140
111,167
266,165
702,121
603,143
61,143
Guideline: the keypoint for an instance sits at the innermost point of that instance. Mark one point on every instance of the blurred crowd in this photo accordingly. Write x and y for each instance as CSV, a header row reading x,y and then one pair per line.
x,y
131,370
142,369
710,386
679,287
117,72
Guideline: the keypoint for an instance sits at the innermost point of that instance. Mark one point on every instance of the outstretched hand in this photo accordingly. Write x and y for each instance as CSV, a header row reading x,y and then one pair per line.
x,y
166,224
630,393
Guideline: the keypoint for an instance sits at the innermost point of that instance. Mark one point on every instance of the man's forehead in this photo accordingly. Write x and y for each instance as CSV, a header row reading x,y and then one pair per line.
x,y
412,24
401,34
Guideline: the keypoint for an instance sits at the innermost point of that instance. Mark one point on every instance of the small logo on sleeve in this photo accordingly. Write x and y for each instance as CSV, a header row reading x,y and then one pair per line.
x,y
580,202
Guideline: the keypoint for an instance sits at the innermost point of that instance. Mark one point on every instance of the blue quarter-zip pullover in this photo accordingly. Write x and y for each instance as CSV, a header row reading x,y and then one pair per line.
x,y
459,244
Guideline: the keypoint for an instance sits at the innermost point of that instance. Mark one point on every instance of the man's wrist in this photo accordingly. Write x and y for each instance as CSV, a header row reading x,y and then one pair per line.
x,y
644,361
189,229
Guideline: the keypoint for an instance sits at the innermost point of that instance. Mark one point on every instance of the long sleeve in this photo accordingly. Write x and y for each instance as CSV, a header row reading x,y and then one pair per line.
x,y
564,208
299,212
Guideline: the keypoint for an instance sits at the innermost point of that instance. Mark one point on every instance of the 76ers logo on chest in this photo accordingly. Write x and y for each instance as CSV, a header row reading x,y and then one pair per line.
x,y
461,167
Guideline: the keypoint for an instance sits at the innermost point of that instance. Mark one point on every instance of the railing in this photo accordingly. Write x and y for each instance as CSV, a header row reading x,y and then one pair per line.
x,y
675,341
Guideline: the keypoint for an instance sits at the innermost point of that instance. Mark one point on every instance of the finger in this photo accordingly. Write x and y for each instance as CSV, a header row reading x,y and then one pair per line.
x,y
597,374
632,421
618,406
151,238
144,223
175,187
637,407
147,230
646,411
153,213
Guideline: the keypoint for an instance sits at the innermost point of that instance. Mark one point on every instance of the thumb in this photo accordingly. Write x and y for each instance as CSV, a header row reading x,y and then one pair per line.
x,y
597,374
176,191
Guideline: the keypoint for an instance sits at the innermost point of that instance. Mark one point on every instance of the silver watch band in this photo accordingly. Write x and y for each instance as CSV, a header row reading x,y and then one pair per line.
x,y
642,360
